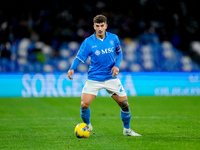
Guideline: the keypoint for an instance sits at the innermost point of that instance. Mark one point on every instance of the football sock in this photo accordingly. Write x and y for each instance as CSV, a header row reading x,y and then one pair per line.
x,y
126,118
85,115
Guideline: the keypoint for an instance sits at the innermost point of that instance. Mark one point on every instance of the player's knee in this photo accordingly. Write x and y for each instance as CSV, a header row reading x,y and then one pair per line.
x,y
84,105
124,105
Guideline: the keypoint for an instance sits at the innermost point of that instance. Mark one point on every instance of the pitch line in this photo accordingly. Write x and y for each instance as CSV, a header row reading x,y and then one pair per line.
x,y
103,117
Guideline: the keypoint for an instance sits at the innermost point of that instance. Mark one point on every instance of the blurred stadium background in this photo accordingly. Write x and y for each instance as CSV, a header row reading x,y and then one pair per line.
x,y
157,36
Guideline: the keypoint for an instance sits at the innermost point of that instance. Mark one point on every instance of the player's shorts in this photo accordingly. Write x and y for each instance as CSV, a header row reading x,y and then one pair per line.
x,y
112,86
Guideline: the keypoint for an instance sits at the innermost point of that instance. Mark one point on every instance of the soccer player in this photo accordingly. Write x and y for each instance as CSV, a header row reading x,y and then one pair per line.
x,y
102,47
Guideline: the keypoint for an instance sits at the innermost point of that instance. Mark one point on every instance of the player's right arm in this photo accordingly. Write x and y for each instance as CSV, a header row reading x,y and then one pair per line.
x,y
81,57
74,65
70,73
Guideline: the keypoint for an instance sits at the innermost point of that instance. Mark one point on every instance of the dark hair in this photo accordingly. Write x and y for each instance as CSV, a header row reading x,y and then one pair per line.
x,y
100,19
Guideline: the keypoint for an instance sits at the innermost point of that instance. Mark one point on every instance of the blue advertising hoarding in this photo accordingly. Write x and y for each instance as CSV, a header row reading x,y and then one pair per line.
x,y
135,84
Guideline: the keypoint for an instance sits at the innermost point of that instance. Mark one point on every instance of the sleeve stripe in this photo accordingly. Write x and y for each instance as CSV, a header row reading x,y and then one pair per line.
x,y
80,60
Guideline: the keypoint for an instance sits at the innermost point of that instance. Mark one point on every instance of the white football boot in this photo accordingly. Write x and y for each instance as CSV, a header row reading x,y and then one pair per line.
x,y
129,132
90,127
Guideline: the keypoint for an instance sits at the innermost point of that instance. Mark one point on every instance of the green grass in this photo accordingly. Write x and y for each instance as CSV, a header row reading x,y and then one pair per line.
x,y
165,123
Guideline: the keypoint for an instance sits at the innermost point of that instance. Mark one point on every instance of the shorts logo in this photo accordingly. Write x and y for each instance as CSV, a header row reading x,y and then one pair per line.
x,y
121,88
97,52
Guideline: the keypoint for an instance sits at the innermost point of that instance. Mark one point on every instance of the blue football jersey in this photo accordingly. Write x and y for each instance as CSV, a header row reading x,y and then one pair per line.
x,y
102,55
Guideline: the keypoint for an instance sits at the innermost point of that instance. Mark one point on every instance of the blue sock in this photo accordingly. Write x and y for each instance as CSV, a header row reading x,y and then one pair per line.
x,y
126,118
85,115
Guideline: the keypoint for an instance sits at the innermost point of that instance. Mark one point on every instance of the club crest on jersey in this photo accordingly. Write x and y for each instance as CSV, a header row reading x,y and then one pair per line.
x,y
97,52
111,42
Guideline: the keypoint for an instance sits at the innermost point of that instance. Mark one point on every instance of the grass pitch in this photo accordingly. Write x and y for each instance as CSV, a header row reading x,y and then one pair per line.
x,y
48,123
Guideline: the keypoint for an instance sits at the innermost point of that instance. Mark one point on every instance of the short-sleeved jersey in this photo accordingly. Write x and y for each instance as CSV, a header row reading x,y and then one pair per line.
x,y
102,55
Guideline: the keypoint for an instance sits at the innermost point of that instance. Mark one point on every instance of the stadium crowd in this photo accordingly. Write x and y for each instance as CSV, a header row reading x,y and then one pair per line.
x,y
57,21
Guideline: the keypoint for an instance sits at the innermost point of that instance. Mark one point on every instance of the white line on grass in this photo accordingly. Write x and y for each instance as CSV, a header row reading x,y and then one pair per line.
x,y
104,117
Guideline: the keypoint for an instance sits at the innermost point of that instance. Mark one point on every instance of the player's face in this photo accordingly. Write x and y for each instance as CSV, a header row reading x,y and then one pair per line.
x,y
100,28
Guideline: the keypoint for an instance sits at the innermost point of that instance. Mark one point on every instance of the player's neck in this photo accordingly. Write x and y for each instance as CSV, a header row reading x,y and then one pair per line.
x,y
101,37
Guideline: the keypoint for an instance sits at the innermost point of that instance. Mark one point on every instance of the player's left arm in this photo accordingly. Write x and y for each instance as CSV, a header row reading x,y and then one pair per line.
x,y
119,56
115,68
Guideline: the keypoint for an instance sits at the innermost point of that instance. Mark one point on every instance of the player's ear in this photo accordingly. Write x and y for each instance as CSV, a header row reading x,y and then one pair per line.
x,y
106,25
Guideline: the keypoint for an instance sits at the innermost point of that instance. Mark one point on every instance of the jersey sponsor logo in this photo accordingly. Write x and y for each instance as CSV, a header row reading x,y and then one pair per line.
x,y
107,50
104,51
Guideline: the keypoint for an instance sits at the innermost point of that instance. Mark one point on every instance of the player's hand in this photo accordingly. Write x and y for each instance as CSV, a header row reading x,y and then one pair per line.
x,y
115,71
70,73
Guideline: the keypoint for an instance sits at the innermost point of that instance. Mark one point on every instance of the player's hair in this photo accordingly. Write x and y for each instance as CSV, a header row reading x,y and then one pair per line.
x,y
100,19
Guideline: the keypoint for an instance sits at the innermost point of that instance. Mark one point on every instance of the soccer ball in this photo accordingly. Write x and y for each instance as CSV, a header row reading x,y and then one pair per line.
x,y
82,130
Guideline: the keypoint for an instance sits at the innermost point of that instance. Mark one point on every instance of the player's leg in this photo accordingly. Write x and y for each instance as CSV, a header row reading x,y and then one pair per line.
x,y
125,114
117,92
89,92
86,100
